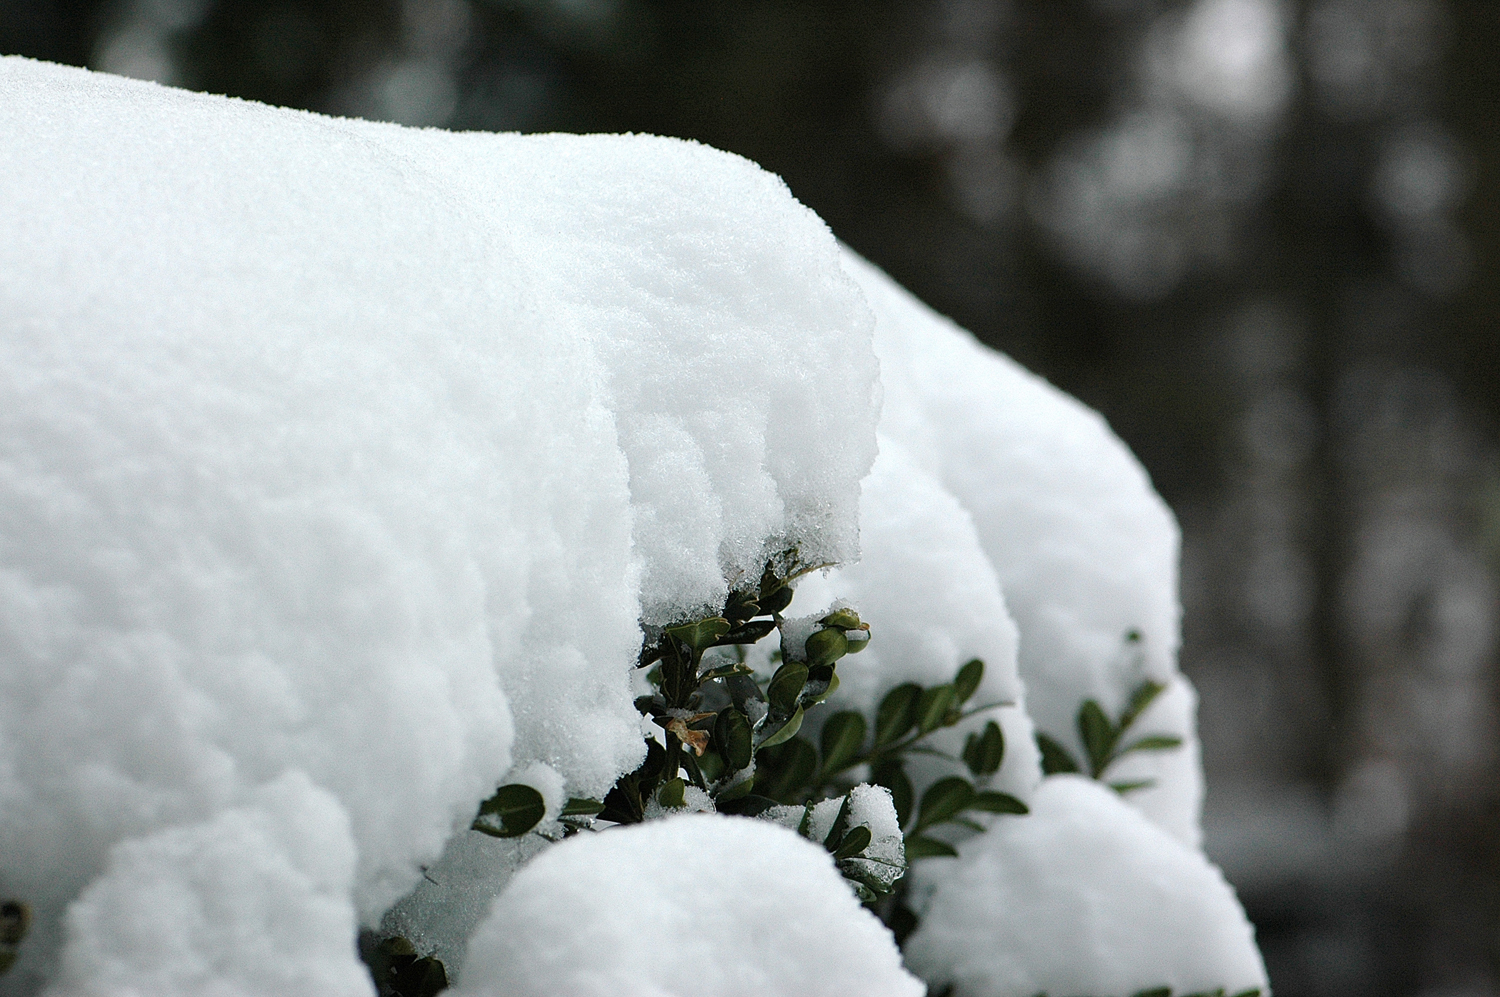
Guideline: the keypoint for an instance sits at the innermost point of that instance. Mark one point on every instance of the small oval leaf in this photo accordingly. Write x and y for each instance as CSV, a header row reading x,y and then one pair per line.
x,y
581,807
843,735
944,799
511,812
734,738
700,634
933,708
921,847
1098,735
825,647
856,841
984,752
786,732
786,685
992,802
967,680
1055,758
670,794
897,713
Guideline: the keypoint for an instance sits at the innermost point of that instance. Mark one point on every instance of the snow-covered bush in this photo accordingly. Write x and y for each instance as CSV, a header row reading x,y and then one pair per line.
x,y
380,507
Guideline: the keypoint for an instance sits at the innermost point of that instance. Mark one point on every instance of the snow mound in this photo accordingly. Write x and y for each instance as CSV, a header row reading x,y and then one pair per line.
x,y
255,901
697,906
1085,550
359,451
1084,895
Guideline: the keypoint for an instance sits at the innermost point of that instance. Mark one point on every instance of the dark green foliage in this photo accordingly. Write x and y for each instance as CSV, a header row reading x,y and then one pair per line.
x,y
843,735
511,812
983,752
897,713
398,969
1103,739
15,922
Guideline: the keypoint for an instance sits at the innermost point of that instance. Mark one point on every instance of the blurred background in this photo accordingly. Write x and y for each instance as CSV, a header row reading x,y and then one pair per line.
x,y
1258,235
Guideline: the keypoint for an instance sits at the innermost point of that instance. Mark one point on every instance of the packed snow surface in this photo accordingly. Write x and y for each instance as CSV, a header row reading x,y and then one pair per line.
x,y
691,906
1081,896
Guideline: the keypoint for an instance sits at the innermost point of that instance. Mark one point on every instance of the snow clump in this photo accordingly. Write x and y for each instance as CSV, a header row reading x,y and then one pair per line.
x,y
1083,895
686,906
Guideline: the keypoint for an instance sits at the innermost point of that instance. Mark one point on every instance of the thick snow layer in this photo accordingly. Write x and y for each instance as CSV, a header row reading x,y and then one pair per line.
x,y
694,906
254,901
1085,550
353,450
1084,895
735,350
932,599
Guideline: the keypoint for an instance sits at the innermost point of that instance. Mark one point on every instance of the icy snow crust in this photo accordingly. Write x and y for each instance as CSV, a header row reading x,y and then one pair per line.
x,y
686,906
340,464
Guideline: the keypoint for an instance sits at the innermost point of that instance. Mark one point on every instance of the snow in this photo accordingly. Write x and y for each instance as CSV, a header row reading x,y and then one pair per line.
x,y
254,901
690,905
340,465
1085,550
1083,895
933,602
350,450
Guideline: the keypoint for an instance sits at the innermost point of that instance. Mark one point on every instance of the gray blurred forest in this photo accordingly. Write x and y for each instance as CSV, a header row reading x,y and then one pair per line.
x,y
1258,235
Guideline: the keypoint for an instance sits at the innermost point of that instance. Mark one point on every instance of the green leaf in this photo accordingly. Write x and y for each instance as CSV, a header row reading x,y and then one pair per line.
x,y
784,770
671,792
858,640
511,812
825,647
1055,758
891,774
1154,992
984,752
992,802
812,694
897,713
786,732
746,633
776,600
786,685
1216,992
856,841
1125,787
700,635
932,708
741,605
1141,697
581,807
967,680
840,823
1252,992
743,690
734,738
1156,742
944,799
920,846
1098,734
843,736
